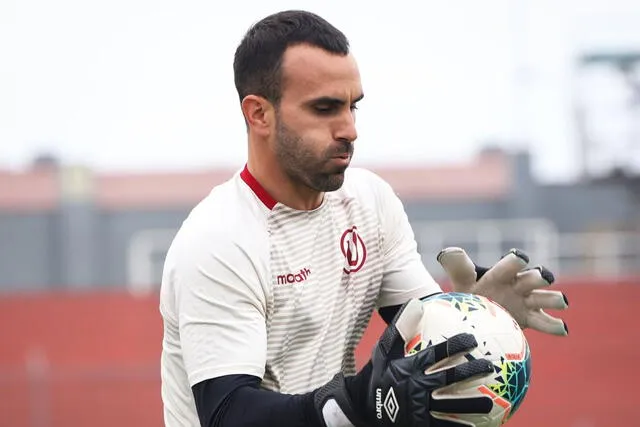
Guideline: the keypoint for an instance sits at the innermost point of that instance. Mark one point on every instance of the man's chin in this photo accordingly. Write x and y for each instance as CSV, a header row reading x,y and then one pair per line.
x,y
334,181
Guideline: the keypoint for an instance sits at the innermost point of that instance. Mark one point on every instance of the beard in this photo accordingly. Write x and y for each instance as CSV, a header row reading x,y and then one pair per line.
x,y
302,164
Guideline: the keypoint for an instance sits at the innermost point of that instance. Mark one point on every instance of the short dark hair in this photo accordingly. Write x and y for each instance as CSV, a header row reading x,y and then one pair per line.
x,y
258,59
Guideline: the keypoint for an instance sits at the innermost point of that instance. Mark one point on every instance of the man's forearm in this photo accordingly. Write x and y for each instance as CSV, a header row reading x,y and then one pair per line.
x,y
238,401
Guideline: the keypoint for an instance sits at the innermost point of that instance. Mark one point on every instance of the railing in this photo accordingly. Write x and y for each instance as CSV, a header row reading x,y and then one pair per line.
x,y
601,254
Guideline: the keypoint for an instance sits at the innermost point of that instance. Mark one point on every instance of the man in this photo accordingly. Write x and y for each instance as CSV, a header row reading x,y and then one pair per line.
x,y
272,279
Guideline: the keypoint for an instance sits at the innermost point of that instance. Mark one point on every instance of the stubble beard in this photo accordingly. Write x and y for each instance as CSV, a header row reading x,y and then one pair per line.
x,y
302,165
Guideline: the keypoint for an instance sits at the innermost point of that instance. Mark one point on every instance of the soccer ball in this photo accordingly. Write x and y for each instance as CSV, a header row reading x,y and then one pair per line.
x,y
500,340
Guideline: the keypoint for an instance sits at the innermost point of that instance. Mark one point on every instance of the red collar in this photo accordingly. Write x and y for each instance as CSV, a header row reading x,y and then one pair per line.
x,y
257,189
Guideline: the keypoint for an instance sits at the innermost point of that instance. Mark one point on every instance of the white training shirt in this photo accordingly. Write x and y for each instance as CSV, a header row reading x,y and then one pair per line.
x,y
251,286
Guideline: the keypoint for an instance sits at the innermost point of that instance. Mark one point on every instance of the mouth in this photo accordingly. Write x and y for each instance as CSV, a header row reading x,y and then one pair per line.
x,y
341,156
341,161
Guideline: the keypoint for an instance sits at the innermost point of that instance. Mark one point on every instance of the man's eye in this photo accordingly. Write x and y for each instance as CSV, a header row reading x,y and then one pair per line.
x,y
324,108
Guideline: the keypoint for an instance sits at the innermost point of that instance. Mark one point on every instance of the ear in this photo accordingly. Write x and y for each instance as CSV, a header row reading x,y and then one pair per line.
x,y
258,113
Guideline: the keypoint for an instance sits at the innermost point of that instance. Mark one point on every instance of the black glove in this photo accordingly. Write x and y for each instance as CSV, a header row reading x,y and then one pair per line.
x,y
394,390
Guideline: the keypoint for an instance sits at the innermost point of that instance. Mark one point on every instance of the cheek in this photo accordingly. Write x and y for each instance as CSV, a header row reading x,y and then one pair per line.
x,y
314,131
311,147
322,144
309,124
314,138
313,134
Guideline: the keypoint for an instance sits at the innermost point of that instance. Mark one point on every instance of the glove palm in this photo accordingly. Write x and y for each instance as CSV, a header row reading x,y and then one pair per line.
x,y
512,285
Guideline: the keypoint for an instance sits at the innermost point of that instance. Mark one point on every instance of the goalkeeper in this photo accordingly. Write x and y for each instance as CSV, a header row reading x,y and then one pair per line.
x,y
271,281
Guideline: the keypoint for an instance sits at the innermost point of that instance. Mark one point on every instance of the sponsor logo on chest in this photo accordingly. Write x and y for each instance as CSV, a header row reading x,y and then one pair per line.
x,y
354,254
299,277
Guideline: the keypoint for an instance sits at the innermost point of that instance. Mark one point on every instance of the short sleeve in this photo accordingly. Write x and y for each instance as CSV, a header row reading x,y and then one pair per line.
x,y
221,308
405,275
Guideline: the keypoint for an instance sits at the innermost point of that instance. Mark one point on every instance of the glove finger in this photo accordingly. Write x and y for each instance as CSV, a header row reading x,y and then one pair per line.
x,y
552,300
457,373
425,359
459,267
408,321
463,405
404,325
505,270
460,343
466,370
543,322
533,278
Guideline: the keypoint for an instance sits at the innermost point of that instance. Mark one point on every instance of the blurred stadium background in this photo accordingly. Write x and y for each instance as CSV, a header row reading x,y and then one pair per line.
x,y
81,254
81,259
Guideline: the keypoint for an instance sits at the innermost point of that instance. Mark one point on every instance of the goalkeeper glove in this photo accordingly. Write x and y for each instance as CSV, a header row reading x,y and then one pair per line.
x,y
394,390
509,283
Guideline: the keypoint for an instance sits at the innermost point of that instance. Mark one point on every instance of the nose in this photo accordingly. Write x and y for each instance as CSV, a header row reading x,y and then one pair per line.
x,y
345,129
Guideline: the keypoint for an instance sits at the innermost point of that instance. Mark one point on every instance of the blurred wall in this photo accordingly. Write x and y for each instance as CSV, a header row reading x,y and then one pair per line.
x,y
96,231
27,256
81,256
80,359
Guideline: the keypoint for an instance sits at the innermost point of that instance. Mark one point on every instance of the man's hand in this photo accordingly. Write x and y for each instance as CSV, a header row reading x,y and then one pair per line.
x,y
512,285
394,390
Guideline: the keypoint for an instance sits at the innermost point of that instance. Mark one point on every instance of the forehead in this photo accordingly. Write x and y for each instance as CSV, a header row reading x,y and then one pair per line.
x,y
310,72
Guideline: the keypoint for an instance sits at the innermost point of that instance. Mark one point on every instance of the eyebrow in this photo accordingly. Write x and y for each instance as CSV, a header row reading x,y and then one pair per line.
x,y
334,101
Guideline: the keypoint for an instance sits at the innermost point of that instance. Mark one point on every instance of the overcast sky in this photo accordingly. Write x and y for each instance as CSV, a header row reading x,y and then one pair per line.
x,y
142,84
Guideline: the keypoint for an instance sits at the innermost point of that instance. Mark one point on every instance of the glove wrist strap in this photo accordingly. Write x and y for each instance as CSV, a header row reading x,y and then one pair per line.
x,y
335,406
334,416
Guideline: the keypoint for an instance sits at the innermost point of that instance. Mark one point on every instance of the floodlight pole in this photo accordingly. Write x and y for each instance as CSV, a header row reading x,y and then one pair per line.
x,y
627,64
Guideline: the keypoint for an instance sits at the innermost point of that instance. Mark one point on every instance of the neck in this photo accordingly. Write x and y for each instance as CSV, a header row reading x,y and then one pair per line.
x,y
279,185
